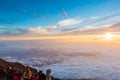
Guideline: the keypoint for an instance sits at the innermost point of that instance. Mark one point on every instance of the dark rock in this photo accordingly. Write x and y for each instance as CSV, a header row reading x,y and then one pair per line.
x,y
15,66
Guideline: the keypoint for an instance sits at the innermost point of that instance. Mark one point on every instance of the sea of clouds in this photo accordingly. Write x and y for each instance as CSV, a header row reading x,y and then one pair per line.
x,y
66,60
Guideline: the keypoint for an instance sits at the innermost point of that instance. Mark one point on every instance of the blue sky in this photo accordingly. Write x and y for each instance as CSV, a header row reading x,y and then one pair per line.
x,y
51,16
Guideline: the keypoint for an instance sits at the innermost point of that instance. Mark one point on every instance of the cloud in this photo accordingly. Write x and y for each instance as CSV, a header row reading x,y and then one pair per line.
x,y
64,12
2,26
7,33
93,21
19,31
96,27
65,23
68,22
113,28
68,26
51,27
68,29
38,30
1,31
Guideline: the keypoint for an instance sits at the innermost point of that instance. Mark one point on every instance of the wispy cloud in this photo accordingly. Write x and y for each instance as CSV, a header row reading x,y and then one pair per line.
x,y
1,31
66,26
64,12
38,31
65,23
92,21
113,28
2,26
68,22
21,30
41,30
96,27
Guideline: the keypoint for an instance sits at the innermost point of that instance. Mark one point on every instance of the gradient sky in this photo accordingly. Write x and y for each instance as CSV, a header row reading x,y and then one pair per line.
x,y
51,17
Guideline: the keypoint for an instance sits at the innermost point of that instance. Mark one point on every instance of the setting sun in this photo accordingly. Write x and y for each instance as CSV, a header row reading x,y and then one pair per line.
x,y
108,36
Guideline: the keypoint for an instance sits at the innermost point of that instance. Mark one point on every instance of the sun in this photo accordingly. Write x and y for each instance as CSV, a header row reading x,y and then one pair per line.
x,y
108,36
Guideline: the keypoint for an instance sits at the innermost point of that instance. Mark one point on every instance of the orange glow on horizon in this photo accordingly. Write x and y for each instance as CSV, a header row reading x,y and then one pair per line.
x,y
70,38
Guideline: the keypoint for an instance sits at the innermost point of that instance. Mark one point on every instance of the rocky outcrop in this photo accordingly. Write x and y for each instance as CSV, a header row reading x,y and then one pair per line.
x,y
15,66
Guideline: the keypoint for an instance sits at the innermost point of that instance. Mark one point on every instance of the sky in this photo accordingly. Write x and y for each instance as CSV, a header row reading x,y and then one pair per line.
x,y
29,18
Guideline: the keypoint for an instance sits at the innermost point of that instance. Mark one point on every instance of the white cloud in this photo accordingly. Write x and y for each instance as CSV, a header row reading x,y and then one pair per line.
x,y
64,23
69,22
51,27
96,27
38,30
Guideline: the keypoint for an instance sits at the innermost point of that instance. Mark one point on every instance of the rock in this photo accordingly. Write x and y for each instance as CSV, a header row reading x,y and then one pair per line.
x,y
15,65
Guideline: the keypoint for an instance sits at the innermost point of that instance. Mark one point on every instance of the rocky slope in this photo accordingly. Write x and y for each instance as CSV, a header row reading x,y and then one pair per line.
x,y
15,65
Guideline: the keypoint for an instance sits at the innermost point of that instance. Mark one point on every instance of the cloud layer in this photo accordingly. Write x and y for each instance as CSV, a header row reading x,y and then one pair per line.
x,y
94,20
113,28
69,26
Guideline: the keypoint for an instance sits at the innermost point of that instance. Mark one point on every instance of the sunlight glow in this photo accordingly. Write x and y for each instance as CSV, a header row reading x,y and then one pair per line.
x,y
108,36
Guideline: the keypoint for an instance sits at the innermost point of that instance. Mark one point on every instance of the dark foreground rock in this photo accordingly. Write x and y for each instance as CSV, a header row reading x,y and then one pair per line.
x,y
15,66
